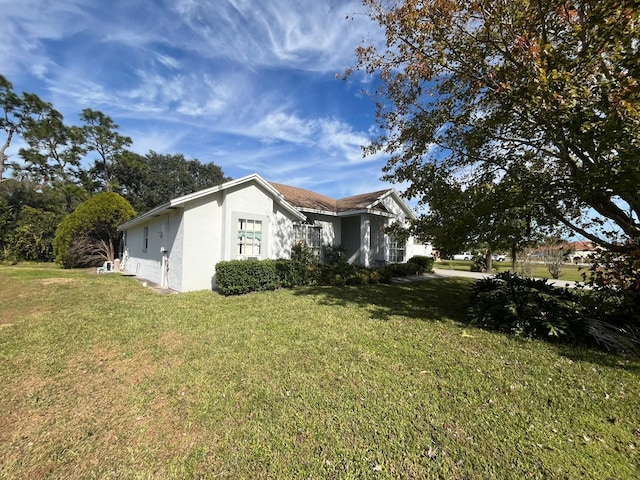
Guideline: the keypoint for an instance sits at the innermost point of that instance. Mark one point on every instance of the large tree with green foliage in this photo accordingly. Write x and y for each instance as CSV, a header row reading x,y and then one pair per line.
x,y
156,178
55,149
486,214
102,138
29,216
89,235
19,113
472,90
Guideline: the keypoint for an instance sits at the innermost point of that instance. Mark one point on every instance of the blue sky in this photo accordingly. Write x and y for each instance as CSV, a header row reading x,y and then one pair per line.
x,y
249,85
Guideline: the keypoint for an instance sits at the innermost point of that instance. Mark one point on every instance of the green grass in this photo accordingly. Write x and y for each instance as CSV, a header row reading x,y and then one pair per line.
x,y
539,270
102,378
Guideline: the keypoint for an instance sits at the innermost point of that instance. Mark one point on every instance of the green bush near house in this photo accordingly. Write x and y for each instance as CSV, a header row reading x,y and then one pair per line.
x,y
236,277
426,263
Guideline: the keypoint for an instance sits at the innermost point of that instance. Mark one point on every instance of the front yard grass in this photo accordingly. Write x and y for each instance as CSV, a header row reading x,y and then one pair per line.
x,y
102,378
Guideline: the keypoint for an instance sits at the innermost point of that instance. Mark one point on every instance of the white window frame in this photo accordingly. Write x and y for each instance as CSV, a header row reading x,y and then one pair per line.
x,y
250,238
311,235
395,249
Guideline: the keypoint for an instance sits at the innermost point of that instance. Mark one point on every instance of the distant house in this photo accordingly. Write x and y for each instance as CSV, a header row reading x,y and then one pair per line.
x,y
580,250
178,244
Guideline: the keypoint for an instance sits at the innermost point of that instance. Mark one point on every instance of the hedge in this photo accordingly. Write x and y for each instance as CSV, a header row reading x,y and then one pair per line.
x,y
236,277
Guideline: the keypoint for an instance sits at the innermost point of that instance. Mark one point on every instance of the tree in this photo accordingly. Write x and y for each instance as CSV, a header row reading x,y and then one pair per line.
x,y
18,113
89,235
156,178
55,149
101,136
32,238
29,215
550,88
496,216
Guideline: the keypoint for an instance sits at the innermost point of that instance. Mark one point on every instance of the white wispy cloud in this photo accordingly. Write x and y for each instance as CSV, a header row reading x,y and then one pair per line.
x,y
212,80
308,35
26,24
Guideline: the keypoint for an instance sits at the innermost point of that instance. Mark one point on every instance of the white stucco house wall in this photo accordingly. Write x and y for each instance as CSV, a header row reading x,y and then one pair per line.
x,y
178,244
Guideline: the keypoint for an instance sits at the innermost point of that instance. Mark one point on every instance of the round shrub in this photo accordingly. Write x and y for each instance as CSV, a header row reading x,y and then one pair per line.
x,y
425,263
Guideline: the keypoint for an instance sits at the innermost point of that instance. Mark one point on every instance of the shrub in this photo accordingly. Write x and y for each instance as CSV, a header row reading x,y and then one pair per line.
x,y
425,263
524,307
403,269
236,277
336,274
533,308
304,263
92,225
288,273
479,264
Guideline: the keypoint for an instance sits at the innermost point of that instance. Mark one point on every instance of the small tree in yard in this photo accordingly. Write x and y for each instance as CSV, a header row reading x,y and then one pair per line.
x,y
554,262
89,235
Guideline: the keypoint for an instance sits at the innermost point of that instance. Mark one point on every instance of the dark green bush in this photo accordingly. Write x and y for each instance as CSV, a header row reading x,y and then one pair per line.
x,y
289,273
425,263
243,276
524,307
479,264
403,269
336,274
305,264
533,308
236,277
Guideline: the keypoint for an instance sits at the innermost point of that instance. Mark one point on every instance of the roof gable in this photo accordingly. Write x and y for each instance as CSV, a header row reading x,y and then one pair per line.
x,y
362,201
181,201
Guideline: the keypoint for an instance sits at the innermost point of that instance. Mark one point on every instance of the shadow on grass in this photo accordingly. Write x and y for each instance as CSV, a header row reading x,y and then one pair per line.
x,y
441,300
435,299
597,356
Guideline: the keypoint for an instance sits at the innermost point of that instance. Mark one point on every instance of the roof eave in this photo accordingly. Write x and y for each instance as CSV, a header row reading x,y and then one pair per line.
x,y
319,212
361,211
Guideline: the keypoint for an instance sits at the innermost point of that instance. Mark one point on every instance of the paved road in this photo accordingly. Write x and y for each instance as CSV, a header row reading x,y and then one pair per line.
x,y
441,272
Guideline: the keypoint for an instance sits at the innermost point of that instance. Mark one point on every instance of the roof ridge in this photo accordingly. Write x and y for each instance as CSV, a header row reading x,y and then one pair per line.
x,y
305,198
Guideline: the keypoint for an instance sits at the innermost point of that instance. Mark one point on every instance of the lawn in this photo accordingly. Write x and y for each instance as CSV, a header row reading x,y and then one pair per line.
x,y
102,378
538,269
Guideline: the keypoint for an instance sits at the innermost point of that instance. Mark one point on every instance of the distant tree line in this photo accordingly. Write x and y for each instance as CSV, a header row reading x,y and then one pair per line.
x,y
62,167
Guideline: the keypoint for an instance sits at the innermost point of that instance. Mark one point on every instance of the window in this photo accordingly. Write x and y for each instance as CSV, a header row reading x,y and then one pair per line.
x,y
396,251
311,235
249,237
145,239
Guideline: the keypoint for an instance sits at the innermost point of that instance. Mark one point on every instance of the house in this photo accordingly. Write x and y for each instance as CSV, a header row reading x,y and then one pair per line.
x,y
581,250
178,244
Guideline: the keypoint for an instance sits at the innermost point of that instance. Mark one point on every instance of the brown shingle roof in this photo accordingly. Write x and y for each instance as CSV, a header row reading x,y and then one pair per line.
x,y
299,197
358,202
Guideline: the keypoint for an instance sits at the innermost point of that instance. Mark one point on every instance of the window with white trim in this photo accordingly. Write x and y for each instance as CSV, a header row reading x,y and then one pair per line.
x,y
310,235
249,237
396,251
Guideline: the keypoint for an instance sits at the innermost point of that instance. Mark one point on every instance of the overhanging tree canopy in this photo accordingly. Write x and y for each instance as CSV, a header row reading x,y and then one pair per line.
x,y
471,89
